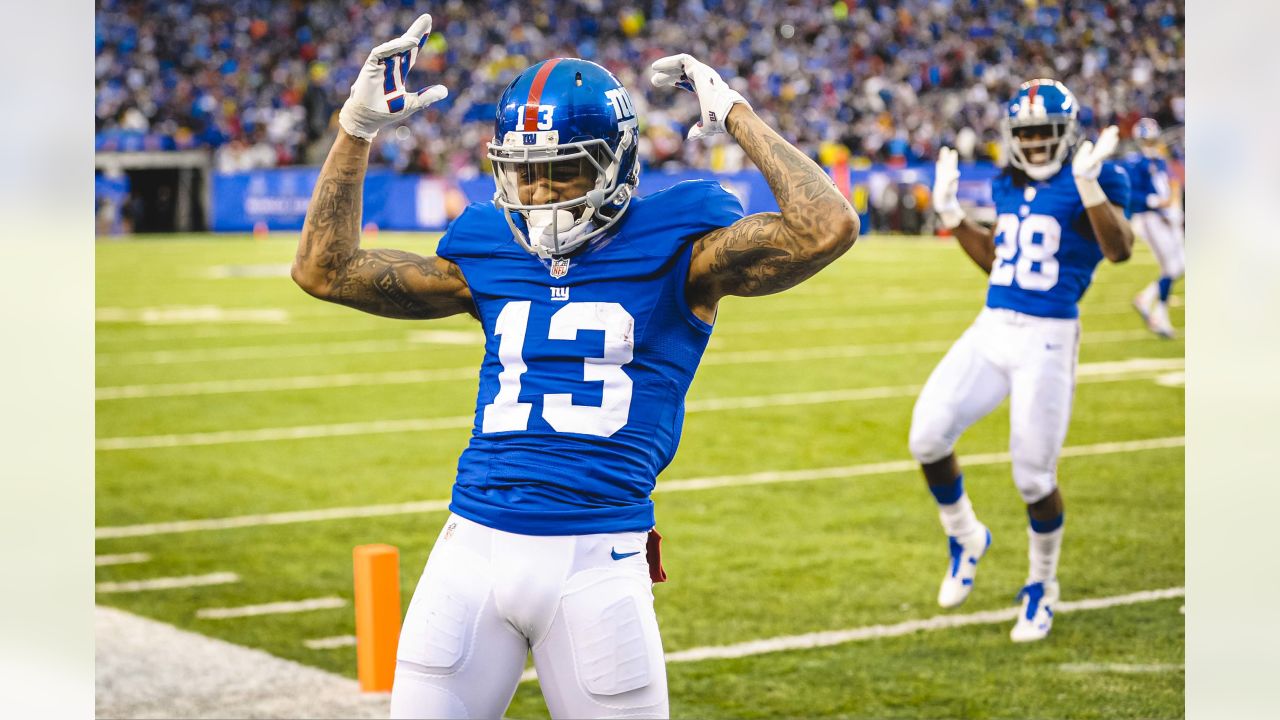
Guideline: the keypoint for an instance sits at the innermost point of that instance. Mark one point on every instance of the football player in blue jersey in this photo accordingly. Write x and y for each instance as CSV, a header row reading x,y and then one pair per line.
x,y
1150,202
597,306
1060,210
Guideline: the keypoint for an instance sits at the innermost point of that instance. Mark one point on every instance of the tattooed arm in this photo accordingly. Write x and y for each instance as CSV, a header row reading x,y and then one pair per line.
x,y
331,265
770,252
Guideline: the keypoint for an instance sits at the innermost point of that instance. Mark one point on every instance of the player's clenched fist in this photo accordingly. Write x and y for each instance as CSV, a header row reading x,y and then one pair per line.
x,y
714,95
378,97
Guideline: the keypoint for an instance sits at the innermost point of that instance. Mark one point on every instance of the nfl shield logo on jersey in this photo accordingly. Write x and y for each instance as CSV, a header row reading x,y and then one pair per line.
x,y
559,267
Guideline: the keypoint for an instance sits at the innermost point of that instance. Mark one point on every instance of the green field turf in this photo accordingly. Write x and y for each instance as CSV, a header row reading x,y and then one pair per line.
x,y
175,363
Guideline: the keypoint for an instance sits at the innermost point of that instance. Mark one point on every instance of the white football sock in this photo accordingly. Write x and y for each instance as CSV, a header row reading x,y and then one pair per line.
x,y
1043,552
958,518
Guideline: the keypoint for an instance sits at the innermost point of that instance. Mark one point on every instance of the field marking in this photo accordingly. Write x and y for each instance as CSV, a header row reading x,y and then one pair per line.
x,y
300,432
828,638
265,519
168,583
329,643
1118,371
274,270
301,382
729,328
420,339
252,352
448,337
752,327
351,379
663,486
275,608
121,559
1123,668
190,315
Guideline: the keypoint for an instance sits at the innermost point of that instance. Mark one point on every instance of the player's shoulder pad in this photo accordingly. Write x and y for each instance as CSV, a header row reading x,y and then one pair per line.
x,y
689,208
479,231
1114,179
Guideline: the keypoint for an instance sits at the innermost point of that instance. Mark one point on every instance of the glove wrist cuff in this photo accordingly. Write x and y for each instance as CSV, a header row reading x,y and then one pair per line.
x,y
349,118
1091,193
951,218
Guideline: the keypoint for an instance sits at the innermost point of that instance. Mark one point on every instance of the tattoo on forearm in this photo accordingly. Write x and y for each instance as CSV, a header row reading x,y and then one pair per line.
x,y
377,281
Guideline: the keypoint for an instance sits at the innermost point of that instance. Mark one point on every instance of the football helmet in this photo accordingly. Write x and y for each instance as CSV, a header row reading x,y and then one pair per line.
x,y
564,125
1041,127
1147,133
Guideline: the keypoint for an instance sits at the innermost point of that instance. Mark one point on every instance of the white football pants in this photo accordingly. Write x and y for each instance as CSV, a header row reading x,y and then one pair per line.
x,y
1165,240
1004,353
487,597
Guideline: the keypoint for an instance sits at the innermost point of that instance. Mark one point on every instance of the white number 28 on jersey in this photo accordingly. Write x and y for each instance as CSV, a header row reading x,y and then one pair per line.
x,y
506,413
1020,256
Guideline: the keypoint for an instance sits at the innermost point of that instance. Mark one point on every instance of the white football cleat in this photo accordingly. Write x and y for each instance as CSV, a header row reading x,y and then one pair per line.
x,y
1158,321
1036,616
1143,301
965,552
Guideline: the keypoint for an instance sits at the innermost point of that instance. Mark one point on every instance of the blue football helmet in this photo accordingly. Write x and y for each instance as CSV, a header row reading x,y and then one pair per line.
x,y
1041,128
564,121
1147,133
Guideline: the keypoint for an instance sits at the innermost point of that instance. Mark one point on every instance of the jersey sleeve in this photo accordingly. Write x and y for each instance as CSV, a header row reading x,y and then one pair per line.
x,y
720,208
473,234
1115,185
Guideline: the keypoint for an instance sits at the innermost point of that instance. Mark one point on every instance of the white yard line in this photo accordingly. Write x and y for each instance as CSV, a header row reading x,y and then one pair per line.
x,y
828,638
275,608
304,382
167,583
1135,369
1122,668
301,432
454,338
330,643
122,559
664,486
264,519
252,352
191,314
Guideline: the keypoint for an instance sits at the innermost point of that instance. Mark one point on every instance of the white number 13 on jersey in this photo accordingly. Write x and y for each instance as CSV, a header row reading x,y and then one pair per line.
x,y
1036,267
506,413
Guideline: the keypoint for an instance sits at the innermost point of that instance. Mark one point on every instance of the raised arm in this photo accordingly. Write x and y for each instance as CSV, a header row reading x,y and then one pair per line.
x,y
770,252
767,252
330,263
976,241
1110,227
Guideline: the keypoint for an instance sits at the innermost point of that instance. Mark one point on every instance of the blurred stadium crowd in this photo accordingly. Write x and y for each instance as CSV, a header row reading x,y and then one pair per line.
x,y
260,81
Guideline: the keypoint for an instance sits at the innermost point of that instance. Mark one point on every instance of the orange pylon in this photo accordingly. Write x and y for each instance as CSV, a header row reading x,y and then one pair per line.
x,y
377,576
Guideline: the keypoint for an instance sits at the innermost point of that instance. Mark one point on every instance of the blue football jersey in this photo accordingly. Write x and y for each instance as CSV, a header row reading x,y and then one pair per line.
x,y
1045,249
1147,176
587,362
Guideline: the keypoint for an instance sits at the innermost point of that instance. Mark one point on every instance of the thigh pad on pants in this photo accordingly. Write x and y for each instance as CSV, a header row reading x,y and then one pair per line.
x,y
610,637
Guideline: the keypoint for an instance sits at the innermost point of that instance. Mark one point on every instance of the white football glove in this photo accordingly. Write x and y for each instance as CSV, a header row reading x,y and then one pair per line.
x,y
946,183
378,97
714,95
1087,163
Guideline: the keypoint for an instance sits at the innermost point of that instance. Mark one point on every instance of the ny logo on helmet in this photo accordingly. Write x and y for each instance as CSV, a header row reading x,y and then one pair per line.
x,y
621,101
